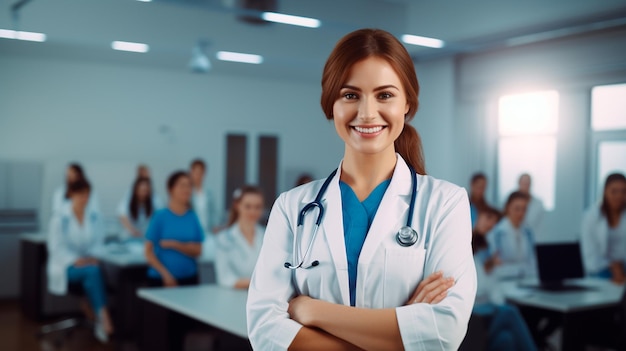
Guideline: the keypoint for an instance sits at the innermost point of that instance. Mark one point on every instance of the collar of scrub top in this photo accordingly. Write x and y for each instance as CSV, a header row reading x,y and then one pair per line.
x,y
399,177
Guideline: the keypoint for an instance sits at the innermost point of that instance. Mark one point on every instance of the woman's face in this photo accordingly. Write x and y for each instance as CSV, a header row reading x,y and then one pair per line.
x,y
143,191
181,191
250,207
197,174
71,175
478,187
516,211
369,114
615,195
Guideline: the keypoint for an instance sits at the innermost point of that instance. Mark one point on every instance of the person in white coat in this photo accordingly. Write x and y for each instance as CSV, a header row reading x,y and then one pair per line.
x,y
60,196
137,205
75,240
238,246
355,283
603,240
512,241
535,210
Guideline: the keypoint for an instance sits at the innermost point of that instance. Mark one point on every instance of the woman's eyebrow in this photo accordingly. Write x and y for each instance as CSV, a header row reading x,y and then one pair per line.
x,y
382,87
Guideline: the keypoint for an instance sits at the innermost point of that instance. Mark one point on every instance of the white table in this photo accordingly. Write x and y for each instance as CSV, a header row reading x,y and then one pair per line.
x,y
576,308
219,307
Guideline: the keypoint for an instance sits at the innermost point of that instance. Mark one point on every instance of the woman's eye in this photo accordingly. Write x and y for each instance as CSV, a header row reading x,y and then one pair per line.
x,y
350,96
385,96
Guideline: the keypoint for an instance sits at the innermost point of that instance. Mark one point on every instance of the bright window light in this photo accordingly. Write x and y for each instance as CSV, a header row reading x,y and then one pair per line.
x,y
610,160
531,113
129,46
239,57
145,0
533,155
608,106
20,35
423,41
290,19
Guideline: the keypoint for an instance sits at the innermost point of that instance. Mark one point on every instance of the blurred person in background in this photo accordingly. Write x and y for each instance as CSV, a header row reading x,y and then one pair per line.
x,y
174,237
478,186
603,240
73,172
535,210
238,246
137,205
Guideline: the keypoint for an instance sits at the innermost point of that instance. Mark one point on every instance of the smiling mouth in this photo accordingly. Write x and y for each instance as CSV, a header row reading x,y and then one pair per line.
x,y
370,130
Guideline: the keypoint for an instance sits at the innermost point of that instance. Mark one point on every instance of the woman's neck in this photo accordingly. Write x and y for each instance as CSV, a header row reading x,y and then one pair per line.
x,y
79,212
177,207
363,172
248,230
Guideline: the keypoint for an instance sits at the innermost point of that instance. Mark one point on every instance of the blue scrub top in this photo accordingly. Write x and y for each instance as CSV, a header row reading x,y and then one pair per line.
x,y
357,219
166,224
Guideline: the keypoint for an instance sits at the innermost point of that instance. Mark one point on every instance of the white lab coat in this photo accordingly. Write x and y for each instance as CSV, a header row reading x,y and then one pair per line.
x,y
202,202
595,239
515,248
534,215
387,273
235,258
59,200
68,241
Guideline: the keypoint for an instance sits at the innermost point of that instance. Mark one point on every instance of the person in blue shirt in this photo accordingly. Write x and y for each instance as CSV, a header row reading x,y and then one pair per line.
x,y
174,238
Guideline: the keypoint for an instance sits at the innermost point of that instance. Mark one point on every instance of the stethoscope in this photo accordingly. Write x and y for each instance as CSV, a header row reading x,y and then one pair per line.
x,y
405,237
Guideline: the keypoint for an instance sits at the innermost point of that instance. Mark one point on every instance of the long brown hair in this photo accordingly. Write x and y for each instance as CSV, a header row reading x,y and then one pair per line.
x,y
233,216
359,45
612,178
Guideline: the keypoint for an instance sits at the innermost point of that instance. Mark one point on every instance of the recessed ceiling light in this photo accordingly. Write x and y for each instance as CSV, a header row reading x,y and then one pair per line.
x,y
145,0
20,35
423,41
129,46
239,57
290,19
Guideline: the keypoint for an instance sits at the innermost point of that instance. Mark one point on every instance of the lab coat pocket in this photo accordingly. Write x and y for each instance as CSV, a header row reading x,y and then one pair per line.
x,y
404,269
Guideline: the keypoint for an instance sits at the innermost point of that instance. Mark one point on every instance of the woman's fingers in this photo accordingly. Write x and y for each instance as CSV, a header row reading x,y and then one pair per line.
x,y
430,279
431,292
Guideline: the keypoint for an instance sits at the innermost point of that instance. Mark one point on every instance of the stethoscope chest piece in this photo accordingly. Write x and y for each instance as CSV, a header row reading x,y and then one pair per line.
x,y
406,236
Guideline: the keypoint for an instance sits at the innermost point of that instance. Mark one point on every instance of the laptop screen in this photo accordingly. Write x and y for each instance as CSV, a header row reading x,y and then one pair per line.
x,y
557,262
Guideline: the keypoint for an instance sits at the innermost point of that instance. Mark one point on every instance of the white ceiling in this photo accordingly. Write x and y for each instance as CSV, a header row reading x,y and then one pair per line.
x,y
83,29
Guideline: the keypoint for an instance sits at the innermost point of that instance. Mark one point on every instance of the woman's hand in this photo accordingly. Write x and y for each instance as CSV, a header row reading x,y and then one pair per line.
x,y
169,280
300,310
432,290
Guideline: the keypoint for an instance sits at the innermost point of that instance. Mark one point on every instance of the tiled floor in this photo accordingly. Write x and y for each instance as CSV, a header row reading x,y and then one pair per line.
x,y
18,333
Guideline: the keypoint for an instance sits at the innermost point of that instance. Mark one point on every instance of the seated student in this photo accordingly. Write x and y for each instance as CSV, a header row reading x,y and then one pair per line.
x,y
131,228
174,238
535,210
603,240
135,216
506,328
478,186
73,173
76,235
512,241
238,246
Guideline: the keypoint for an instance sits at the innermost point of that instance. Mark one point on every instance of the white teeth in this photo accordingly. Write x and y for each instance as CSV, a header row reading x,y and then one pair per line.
x,y
368,130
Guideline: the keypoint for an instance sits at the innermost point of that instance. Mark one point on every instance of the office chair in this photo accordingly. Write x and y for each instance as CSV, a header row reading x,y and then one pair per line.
x,y
476,337
61,330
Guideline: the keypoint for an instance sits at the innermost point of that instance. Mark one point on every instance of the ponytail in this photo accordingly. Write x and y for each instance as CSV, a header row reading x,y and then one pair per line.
x,y
409,146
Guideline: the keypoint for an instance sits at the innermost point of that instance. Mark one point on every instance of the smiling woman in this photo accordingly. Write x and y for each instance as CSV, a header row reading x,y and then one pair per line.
x,y
362,283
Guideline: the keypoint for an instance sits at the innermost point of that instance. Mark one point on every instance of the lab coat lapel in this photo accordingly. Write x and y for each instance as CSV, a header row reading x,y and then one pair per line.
x,y
332,225
392,212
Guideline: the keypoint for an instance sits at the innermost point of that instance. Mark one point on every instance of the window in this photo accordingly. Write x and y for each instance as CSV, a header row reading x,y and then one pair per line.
x,y
608,125
608,106
527,125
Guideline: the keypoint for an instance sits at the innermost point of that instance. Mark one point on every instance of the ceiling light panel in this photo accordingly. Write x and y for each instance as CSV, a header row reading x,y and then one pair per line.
x,y
423,41
239,57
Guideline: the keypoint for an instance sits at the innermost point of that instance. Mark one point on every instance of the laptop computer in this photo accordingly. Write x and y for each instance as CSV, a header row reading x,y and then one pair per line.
x,y
557,262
